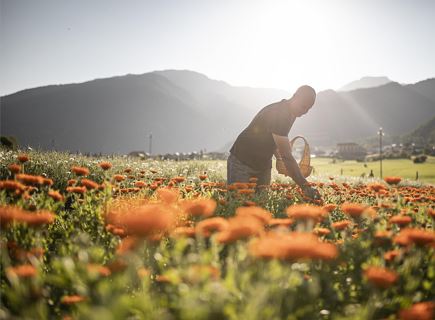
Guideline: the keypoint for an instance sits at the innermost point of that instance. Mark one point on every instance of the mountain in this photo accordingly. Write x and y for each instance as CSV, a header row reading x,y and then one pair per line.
x,y
423,134
358,114
186,111
424,88
365,82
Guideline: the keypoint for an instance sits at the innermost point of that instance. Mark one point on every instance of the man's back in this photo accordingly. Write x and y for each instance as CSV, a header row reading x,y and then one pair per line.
x,y
255,145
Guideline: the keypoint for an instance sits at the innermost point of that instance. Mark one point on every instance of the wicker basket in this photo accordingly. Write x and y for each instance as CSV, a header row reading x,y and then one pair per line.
x,y
304,164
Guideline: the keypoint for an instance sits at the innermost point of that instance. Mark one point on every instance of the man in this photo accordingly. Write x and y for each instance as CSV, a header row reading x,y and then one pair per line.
x,y
251,153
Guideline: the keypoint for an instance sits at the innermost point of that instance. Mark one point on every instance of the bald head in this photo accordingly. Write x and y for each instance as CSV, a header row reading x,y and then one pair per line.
x,y
306,93
302,100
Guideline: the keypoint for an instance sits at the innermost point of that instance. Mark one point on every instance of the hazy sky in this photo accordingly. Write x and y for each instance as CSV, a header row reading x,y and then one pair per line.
x,y
280,44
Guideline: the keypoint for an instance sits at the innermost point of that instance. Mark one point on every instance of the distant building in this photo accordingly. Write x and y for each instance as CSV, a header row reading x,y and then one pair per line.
x,y
139,154
351,151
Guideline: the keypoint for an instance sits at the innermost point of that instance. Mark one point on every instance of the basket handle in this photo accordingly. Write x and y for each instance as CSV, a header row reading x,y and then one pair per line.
x,y
307,152
304,163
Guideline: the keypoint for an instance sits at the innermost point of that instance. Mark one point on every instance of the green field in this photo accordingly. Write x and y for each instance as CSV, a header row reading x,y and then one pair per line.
x,y
395,167
323,167
145,239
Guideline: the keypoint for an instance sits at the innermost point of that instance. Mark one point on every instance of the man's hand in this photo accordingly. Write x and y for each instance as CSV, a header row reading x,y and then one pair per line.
x,y
311,192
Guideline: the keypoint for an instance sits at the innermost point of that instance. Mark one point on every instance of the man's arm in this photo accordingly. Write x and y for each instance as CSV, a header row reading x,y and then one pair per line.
x,y
290,163
292,167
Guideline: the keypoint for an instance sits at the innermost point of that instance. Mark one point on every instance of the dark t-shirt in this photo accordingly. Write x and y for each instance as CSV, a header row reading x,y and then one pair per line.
x,y
255,145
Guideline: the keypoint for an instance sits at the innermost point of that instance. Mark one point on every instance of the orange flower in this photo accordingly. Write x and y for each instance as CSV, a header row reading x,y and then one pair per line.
x,y
10,214
55,195
12,185
417,236
197,272
23,157
341,225
183,232
140,184
71,182
203,176
400,220
391,255
377,187
22,271
306,212
105,165
246,191
47,182
14,167
154,186
167,195
418,311
127,244
371,212
249,203
101,270
163,278
259,213
72,299
321,231
392,180
386,205
329,207
118,177
80,171
382,235
76,189
116,231
231,187
280,222
199,207
143,272
239,185
178,179
89,184
39,218
144,220
240,227
30,179
354,210
188,188
380,277
206,227
292,246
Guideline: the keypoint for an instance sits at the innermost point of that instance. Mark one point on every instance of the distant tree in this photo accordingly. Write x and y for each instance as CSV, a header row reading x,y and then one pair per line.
x,y
10,142
420,159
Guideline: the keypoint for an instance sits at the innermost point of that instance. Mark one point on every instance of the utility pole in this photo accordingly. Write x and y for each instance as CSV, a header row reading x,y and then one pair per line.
x,y
380,133
150,143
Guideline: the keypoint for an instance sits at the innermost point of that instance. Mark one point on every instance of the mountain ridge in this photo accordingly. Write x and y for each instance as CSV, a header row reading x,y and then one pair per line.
x,y
187,111
365,82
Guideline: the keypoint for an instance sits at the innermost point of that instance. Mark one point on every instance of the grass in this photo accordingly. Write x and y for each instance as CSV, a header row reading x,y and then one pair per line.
x,y
392,167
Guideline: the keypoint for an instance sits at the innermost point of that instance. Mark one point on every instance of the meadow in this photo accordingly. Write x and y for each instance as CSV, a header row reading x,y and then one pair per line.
x,y
120,238
404,168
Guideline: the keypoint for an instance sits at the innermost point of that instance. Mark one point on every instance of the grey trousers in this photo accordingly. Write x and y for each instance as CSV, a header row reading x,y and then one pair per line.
x,y
237,171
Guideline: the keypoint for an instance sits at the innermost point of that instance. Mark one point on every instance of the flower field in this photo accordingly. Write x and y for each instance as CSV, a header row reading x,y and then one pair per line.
x,y
117,238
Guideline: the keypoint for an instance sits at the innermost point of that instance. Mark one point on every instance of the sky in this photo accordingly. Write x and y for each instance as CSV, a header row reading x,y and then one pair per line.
x,y
258,43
